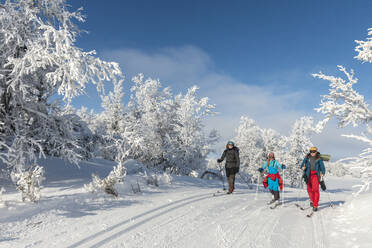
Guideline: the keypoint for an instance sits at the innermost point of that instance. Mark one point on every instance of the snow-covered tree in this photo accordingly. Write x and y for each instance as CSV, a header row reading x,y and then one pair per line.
x,y
273,142
188,144
250,142
349,107
148,119
298,144
38,60
158,129
255,144
163,131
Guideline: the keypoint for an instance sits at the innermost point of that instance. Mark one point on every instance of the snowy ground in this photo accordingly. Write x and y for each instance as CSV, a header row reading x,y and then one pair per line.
x,y
182,214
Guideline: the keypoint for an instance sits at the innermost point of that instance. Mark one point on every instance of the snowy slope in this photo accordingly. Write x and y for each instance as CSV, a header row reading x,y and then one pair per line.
x,y
182,214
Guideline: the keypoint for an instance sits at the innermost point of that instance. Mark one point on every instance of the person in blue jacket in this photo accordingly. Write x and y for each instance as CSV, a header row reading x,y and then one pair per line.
x,y
274,181
314,169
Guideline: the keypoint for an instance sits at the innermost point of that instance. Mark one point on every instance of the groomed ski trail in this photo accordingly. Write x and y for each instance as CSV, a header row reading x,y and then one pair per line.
x,y
179,217
201,220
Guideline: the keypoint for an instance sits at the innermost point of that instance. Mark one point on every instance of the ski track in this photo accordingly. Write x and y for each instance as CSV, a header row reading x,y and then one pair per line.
x,y
112,233
201,222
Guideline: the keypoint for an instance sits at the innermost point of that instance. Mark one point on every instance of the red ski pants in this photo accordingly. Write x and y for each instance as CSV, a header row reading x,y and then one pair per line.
x,y
313,188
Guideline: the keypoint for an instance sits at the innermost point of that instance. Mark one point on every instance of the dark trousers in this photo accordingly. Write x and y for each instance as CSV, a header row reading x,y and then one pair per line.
x,y
230,175
275,193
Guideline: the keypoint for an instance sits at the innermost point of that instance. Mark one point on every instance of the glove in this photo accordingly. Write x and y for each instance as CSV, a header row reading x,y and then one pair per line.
x,y
219,160
260,170
284,166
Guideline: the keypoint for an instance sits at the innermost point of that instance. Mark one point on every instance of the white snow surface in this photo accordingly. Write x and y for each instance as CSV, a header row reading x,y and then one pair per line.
x,y
181,214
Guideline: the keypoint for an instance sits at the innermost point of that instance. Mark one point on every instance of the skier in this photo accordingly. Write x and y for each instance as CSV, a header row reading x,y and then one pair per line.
x,y
314,169
232,165
273,180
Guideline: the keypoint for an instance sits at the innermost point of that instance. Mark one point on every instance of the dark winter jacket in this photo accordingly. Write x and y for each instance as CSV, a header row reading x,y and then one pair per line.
x,y
319,165
232,157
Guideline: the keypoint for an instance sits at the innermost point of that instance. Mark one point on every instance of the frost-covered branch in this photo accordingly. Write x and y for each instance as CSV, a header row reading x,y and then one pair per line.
x,y
364,48
343,102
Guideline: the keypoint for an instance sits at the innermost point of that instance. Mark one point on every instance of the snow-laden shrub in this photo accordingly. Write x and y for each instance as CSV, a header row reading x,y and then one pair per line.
x,y
166,178
152,179
107,184
194,173
29,182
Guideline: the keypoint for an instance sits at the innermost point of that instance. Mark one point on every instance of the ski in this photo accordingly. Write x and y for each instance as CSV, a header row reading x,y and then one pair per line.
x,y
310,214
218,193
300,207
275,205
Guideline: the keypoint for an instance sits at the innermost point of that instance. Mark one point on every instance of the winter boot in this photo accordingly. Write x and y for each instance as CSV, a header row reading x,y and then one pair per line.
x,y
315,209
271,202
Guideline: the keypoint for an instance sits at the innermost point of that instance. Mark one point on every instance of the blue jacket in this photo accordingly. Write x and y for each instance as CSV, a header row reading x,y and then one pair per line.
x,y
273,167
319,166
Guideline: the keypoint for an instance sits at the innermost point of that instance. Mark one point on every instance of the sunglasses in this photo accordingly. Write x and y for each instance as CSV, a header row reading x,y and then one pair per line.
x,y
312,151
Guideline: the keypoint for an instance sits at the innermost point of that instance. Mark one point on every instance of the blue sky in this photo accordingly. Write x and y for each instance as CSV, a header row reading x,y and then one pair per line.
x,y
250,57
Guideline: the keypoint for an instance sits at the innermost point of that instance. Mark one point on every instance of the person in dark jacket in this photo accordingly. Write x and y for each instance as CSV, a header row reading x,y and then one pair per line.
x,y
314,169
232,164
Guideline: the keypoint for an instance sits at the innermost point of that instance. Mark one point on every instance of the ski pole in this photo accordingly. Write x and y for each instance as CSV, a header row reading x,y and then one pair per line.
x,y
223,178
258,182
283,186
329,198
300,187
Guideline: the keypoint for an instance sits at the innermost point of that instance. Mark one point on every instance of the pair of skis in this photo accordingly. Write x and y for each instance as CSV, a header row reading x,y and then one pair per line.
x,y
309,215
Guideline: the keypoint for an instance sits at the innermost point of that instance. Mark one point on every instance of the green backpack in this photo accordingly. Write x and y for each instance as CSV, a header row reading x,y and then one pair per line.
x,y
325,157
